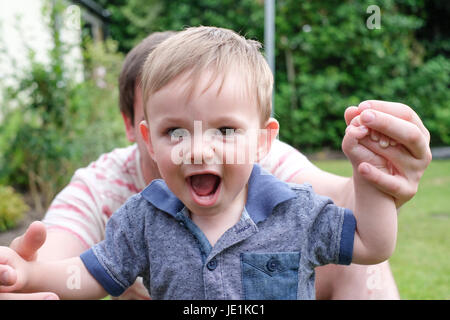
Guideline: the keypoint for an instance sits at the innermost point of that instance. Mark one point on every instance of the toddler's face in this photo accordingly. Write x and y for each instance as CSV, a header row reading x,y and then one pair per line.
x,y
204,145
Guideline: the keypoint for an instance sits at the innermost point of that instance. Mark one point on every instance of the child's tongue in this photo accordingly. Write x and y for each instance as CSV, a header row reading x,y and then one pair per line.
x,y
204,184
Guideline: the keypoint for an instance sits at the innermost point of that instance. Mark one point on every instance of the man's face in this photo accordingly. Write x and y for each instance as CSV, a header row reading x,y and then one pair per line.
x,y
148,166
197,140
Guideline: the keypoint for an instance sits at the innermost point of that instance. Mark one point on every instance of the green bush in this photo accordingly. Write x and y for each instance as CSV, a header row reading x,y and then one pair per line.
x,y
12,208
326,57
52,124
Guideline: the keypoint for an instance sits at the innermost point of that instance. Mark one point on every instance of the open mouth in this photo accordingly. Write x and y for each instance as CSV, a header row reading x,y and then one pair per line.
x,y
204,188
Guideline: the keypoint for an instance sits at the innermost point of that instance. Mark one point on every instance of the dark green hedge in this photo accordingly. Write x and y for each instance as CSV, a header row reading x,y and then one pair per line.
x,y
326,57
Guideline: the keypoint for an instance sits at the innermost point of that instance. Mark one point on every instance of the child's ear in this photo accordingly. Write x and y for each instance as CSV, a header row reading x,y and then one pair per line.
x,y
266,137
145,133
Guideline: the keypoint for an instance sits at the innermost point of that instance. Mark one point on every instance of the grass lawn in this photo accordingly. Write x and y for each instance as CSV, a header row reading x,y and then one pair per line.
x,y
421,262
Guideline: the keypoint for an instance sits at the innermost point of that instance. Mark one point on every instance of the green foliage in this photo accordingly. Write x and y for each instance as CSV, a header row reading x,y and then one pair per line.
x,y
338,62
431,98
12,208
52,124
133,20
326,57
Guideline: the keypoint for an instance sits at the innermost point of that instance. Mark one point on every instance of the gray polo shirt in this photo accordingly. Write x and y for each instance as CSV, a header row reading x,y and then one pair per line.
x,y
285,231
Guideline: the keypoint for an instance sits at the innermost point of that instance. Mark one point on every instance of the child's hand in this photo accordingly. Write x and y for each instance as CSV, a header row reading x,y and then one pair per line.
x,y
361,157
12,270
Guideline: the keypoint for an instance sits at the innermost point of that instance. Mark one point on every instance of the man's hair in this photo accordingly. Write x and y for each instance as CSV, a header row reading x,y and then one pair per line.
x,y
197,50
132,67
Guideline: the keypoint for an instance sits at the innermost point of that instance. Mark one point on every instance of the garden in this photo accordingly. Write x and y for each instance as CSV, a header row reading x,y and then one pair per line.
x,y
326,60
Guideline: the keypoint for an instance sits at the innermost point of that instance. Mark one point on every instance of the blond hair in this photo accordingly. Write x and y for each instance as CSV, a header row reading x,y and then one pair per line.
x,y
199,49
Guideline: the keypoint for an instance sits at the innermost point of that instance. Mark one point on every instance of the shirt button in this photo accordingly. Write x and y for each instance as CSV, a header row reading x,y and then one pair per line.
x,y
212,264
273,264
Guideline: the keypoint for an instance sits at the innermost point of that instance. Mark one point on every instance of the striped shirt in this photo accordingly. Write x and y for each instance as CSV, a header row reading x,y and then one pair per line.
x,y
84,206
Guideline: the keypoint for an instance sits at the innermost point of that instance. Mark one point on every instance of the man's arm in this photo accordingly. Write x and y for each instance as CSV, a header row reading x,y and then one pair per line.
x,y
339,189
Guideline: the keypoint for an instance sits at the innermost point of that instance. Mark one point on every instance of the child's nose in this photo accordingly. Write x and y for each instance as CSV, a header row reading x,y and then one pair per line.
x,y
202,152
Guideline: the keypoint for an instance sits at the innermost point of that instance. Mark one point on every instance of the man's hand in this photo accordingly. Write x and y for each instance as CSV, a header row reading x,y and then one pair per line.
x,y
395,125
26,246
361,157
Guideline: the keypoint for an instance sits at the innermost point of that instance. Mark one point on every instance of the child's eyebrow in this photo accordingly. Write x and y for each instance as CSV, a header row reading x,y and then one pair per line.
x,y
230,119
171,119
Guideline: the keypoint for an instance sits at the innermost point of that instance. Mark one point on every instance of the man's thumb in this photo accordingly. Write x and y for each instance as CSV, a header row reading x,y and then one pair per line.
x,y
27,244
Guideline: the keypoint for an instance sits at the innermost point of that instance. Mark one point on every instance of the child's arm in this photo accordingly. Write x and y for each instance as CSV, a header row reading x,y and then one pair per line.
x,y
376,223
375,211
68,278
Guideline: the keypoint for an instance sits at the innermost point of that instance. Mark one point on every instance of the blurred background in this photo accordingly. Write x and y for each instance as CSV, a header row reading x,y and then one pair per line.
x,y
60,61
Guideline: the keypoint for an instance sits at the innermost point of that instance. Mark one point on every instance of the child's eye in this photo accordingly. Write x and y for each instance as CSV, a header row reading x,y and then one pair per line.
x,y
170,131
226,131
177,133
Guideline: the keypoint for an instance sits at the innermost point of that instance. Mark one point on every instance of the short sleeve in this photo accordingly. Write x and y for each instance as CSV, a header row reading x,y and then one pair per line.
x,y
83,207
285,162
118,260
331,233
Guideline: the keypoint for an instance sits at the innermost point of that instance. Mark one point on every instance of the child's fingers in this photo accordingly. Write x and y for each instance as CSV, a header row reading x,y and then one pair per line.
x,y
403,132
398,155
350,113
8,276
383,140
351,147
357,132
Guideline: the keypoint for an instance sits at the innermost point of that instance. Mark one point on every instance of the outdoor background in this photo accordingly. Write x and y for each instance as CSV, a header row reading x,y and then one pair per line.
x,y
59,102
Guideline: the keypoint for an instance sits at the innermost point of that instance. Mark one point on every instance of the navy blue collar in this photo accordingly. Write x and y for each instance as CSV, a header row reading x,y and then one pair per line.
x,y
265,192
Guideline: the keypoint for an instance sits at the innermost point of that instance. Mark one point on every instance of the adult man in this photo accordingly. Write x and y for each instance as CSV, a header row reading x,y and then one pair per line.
x,y
77,217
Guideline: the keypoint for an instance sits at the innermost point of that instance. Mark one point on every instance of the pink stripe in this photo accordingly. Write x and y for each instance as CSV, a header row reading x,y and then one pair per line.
x,y
131,157
83,226
293,175
130,186
71,232
69,207
79,202
72,208
114,196
100,176
281,160
106,211
83,188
